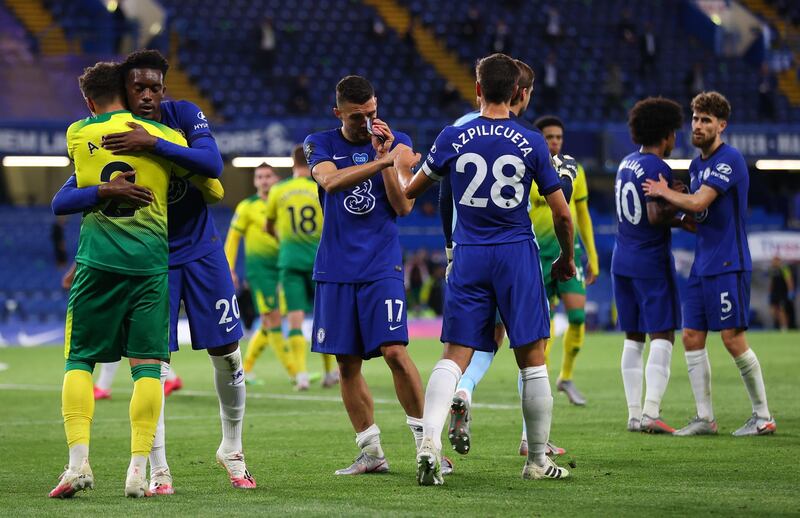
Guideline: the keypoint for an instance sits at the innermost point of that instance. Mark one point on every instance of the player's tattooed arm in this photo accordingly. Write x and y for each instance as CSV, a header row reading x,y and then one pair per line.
x,y
698,201
413,184
564,266
660,212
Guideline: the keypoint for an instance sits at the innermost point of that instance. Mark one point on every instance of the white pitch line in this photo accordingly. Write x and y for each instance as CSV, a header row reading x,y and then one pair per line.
x,y
252,395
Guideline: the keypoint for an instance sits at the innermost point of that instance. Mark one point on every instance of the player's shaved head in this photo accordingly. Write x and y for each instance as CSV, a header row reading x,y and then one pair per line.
x,y
353,89
654,119
152,59
497,75
102,83
526,77
712,103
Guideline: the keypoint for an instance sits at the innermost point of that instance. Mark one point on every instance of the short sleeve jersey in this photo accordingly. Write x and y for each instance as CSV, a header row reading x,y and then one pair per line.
x,y
115,237
293,205
360,241
250,220
192,233
641,250
492,164
721,235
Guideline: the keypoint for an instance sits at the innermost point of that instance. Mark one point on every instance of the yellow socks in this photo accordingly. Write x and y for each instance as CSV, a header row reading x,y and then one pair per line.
x,y
573,340
145,407
297,343
328,362
257,344
77,407
283,351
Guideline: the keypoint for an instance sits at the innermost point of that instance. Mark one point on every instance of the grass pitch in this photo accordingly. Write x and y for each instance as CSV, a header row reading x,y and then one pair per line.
x,y
295,442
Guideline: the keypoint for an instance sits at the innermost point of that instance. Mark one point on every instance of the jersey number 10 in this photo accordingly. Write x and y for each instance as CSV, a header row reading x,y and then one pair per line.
x,y
623,192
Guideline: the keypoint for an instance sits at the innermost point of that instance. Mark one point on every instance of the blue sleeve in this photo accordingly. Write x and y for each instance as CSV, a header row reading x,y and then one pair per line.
x,y
436,164
192,121
446,209
70,199
201,158
402,138
726,173
541,165
316,151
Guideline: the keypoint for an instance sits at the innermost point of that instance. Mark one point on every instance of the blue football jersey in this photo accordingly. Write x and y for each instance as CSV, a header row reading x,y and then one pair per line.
x,y
721,236
492,165
641,250
360,240
192,233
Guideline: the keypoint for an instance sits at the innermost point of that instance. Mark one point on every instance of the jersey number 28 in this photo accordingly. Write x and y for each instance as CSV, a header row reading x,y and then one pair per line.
x,y
500,180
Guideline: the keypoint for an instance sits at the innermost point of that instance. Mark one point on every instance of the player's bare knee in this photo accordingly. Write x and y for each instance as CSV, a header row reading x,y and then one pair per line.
x,y
661,335
395,356
693,340
349,366
637,337
223,349
144,361
735,341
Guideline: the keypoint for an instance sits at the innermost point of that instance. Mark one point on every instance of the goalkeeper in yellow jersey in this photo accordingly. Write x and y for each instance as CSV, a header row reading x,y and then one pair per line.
x,y
261,263
119,299
294,217
573,292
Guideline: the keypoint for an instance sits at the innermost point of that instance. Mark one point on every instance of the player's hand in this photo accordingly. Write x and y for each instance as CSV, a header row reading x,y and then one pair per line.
x,y
69,276
124,190
381,129
448,252
591,276
405,158
136,140
655,189
566,166
563,269
235,279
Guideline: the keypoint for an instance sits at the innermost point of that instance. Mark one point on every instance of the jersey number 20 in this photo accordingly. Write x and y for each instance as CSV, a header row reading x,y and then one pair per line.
x,y
500,180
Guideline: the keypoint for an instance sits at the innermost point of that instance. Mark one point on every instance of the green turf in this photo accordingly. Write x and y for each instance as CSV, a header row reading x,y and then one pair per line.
x,y
293,445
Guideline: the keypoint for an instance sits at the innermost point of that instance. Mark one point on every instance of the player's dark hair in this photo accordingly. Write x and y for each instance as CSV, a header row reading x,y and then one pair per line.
x,y
548,120
299,156
263,165
653,119
102,82
145,59
498,75
712,102
526,77
354,89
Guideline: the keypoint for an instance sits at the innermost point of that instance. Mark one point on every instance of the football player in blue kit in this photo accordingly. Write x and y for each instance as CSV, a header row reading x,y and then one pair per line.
x,y
493,161
198,271
360,303
718,293
642,267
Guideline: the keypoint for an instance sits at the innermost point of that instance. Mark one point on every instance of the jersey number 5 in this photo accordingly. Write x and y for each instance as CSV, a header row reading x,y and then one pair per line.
x,y
113,210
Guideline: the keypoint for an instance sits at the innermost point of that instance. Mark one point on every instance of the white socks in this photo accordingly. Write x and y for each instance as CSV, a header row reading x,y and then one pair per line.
x,y
631,365
415,424
519,389
438,398
106,376
370,441
537,410
229,381
700,379
77,454
656,375
138,463
158,454
750,370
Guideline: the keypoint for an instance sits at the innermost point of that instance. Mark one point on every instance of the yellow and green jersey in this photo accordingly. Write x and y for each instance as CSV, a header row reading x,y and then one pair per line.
x,y
260,248
293,205
116,237
542,218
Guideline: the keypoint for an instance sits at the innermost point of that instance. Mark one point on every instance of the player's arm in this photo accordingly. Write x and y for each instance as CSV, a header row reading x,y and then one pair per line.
x,y
232,245
394,191
698,201
210,188
334,180
446,210
71,199
659,212
564,266
272,214
586,232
